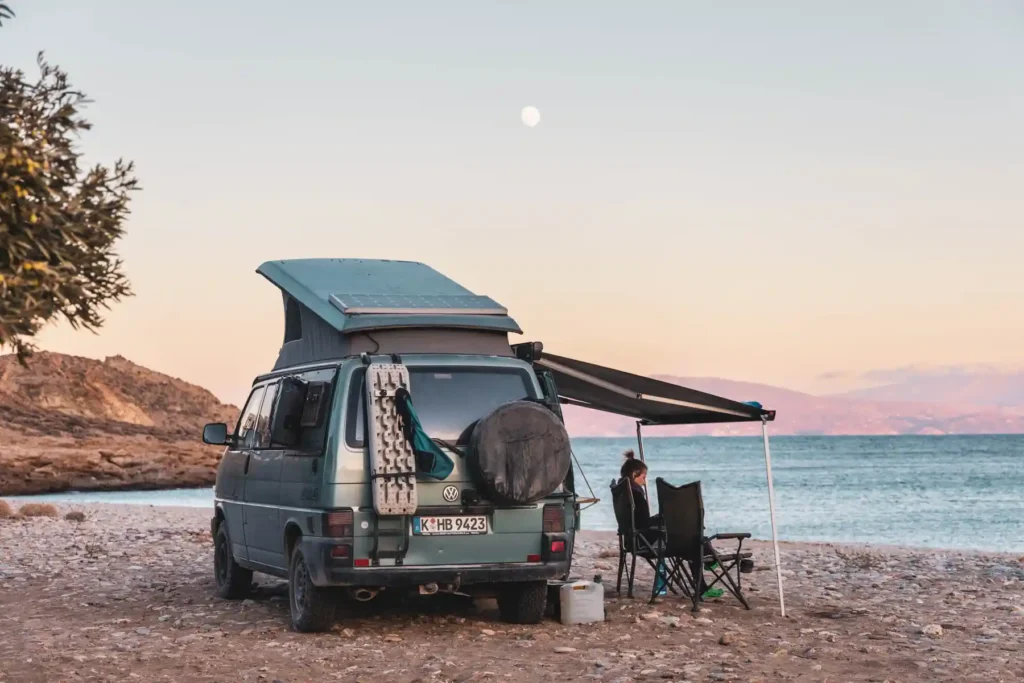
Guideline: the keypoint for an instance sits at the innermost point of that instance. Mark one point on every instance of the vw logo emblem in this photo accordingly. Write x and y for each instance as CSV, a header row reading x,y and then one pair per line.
x,y
450,494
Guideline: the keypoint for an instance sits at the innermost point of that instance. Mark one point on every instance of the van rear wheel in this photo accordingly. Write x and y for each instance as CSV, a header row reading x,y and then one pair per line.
x,y
312,607
233,581
523,603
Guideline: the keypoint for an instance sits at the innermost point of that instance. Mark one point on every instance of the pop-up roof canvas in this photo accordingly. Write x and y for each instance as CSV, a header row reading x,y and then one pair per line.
x,y
334,308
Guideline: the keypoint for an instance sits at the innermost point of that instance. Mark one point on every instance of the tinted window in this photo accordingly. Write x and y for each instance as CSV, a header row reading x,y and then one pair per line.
x,y
266,413
448,400
246,429
311,439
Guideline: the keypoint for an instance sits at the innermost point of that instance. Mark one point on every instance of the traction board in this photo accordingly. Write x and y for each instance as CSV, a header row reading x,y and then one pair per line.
x,y
392,463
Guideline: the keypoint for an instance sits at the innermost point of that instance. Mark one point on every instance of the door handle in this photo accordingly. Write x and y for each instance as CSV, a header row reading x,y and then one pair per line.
x,y
246,470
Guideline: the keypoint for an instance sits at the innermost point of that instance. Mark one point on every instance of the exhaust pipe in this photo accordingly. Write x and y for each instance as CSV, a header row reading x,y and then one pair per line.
x,y
364,594
428,589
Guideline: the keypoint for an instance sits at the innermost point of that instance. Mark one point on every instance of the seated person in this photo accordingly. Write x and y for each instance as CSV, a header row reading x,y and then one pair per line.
x,y
635,473
649,526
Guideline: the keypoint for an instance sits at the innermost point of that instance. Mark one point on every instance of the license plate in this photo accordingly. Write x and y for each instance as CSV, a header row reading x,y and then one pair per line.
x,y
449,526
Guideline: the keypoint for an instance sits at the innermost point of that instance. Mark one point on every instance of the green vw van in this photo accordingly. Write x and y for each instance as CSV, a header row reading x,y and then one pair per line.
x,y
304,490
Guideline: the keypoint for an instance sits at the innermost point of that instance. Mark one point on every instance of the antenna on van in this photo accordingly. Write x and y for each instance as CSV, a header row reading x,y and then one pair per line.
x,y
365,357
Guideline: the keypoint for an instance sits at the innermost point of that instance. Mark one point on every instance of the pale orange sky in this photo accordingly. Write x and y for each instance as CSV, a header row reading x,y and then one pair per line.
x,y
767,195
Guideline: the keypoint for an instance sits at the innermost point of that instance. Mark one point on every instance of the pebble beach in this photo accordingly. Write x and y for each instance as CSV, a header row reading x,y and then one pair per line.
x,y
126,593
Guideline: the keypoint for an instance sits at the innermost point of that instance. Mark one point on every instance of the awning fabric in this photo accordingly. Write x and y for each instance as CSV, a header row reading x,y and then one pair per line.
x,y
649,401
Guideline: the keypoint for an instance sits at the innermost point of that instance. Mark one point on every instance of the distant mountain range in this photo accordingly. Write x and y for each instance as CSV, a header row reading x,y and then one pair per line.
x,y
945,404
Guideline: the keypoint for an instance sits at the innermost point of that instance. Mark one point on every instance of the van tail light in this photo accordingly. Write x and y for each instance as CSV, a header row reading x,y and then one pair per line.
x,y
338,524
341,552
533,558
557,546
554,519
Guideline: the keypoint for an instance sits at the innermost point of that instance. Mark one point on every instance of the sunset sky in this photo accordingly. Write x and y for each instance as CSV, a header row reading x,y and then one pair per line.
x,y
795,193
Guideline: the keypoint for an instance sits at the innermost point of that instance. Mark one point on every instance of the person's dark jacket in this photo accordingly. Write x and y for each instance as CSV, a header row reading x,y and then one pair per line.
x,y
642,518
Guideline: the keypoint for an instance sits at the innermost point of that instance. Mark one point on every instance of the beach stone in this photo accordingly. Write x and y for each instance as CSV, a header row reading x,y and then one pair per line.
x,y
561,650
75,516
932,631
727,639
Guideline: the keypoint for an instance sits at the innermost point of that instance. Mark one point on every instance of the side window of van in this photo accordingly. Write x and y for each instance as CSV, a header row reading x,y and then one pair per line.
x,y
246,429
296,412
263,423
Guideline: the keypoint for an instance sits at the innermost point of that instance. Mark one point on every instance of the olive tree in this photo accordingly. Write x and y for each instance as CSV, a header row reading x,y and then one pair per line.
x,y
58,221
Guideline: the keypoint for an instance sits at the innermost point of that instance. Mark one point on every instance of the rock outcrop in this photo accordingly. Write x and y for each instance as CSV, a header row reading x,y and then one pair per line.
x,y
77,423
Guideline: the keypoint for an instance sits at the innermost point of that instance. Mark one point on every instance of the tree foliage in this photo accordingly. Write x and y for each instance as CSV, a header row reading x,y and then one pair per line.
x,y
58,223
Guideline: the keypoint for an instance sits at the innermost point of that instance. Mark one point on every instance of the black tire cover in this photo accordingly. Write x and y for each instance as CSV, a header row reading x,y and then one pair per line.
x,y
520,453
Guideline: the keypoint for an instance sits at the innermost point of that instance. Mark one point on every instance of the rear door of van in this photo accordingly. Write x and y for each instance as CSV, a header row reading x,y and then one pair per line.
x,y
455,524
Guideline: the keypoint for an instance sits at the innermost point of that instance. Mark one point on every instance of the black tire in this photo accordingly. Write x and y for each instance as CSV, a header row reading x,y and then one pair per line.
x,y
519,453
523,603
233,580
312,607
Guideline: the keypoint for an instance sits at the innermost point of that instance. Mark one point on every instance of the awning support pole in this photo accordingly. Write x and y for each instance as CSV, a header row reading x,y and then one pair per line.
x,y
640,445
771,510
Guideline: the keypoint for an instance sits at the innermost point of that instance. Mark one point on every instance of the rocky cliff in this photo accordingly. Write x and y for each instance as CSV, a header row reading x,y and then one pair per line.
x,y
77,423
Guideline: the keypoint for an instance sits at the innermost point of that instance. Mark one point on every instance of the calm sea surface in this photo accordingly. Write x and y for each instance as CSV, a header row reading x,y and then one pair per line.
x,y
941,491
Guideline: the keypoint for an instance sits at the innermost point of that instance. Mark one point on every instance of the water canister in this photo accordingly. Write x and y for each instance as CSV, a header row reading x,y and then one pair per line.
x,y
581,602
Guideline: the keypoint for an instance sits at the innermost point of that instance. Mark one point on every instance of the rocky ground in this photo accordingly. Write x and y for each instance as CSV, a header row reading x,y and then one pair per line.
x,y
127,594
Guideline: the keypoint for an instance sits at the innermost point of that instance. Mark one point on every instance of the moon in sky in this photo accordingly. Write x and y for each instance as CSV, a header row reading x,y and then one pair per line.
x,y
530,116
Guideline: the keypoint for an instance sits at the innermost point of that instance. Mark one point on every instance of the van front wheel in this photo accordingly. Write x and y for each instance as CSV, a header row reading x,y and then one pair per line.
x,y
523,603
312,607
233,580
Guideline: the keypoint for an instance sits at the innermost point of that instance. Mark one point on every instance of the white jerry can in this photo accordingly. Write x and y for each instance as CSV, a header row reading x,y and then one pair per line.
x,y
581,602
392,463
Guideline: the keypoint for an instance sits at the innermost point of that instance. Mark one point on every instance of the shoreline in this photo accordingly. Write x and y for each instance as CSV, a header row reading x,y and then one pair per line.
x,y
608,535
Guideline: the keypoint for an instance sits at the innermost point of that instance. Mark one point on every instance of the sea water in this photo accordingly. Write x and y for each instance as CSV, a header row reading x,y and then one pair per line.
x,y
932,491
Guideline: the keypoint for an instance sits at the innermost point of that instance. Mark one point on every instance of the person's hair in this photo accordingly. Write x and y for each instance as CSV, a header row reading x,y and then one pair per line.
x,y
632,467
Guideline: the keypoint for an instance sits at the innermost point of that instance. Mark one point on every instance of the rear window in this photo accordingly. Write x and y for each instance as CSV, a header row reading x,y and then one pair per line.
x,y
448,401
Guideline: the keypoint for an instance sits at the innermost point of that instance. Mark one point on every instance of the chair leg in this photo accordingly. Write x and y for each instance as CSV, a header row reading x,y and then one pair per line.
x,y
622,566
723,576
677,579
632,576
697,569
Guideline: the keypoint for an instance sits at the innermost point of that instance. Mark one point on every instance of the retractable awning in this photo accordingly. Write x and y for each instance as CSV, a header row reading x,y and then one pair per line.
x,y
650,401
653,402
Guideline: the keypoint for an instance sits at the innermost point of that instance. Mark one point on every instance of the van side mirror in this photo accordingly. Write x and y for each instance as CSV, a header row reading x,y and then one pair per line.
x,y
216,434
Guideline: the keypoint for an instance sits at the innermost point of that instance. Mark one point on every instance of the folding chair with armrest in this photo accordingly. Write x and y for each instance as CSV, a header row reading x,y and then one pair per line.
x,y
689,552
643,543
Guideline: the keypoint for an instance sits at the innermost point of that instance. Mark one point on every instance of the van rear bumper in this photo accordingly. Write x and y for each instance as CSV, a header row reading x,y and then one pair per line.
x,y
324,571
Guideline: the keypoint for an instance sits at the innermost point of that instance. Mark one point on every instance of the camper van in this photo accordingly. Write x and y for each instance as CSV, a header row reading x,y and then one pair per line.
x,y
399,443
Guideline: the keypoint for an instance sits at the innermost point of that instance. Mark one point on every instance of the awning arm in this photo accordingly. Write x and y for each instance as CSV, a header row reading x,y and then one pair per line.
x,y
771,511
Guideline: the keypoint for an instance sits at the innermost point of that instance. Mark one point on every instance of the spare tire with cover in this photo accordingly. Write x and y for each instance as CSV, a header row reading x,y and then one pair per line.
x,y
520,453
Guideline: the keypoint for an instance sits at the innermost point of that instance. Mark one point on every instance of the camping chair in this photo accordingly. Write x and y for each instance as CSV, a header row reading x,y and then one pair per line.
x,y
689,552
634,543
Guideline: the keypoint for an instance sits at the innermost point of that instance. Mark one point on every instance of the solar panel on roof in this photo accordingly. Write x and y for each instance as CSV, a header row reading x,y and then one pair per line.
x,y
416,304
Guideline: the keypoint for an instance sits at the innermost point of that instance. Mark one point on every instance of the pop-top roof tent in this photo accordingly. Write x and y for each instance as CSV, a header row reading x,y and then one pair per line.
x,y
337,308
